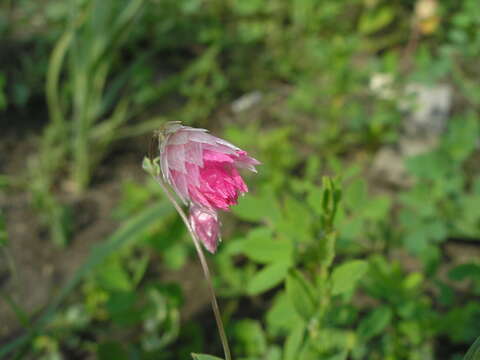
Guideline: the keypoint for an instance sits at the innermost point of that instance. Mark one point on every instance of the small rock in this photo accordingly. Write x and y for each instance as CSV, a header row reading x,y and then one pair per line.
x,y
389,166
416,146
246,101
381,84
427,115
429,107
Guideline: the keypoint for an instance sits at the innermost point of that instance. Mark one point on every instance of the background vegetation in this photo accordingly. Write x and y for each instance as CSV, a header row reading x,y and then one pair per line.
x,y
360,237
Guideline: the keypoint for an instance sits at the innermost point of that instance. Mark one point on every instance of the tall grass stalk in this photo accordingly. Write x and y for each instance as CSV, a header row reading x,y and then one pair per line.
x,y
86,112
80,103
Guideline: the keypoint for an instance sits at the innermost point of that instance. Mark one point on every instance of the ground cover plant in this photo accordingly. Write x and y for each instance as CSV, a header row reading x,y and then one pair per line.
x,y
359,237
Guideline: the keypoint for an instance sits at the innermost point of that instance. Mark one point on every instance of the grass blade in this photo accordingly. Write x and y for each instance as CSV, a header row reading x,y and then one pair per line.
x,y
474,351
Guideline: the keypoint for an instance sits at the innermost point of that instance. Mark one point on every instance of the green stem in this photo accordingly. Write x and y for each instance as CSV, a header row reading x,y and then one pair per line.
x,y
206,271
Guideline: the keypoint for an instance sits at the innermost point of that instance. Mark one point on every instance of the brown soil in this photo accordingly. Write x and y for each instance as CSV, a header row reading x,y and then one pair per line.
x,y
32,268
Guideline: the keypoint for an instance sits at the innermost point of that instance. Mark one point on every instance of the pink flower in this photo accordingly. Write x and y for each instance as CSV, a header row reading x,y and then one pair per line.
x,y
203,170
205,224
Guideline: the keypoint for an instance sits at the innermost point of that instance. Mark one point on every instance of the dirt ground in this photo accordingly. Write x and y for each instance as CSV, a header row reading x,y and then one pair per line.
x,y
32,268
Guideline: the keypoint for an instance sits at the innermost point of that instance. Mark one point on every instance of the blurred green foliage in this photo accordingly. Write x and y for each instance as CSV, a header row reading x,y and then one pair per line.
x,y
311,267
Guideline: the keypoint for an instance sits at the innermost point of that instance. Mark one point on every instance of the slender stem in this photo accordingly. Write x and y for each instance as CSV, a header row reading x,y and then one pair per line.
x,y
206,271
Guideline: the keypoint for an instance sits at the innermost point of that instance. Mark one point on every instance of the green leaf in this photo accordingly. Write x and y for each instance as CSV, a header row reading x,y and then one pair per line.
x,y
265,279
281,316
134,198
204,357
431,165
346,276
351,228
474,351
111,351
250,337
377,208
375,322
274,353
114,277
309,350
294,342
261,247
355,195
301,294
463,271
297,213
258,208
374,20
412,281
121,308
139,269
416,242
314,200
175,256
462,137
470,215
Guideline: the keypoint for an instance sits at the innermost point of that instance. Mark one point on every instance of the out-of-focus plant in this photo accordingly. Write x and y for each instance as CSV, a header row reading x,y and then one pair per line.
x,y
86,110
441,204
109,293
400,322
291,256
474,351
393,290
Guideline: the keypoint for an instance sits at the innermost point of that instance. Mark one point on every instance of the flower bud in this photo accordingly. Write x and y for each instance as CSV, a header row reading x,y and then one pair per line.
x,y
205,224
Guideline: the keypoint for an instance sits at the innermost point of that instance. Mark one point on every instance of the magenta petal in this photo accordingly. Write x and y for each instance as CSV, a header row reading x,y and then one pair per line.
x,y
245,161
213,156
198,197
239,181
218,201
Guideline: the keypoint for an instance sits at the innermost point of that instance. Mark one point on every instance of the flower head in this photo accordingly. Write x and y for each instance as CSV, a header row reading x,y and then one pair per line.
x,y
203,171
203,168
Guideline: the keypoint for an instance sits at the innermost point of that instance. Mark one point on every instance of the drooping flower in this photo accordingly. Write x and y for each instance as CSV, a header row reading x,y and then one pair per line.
x,y
203,171
202,168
